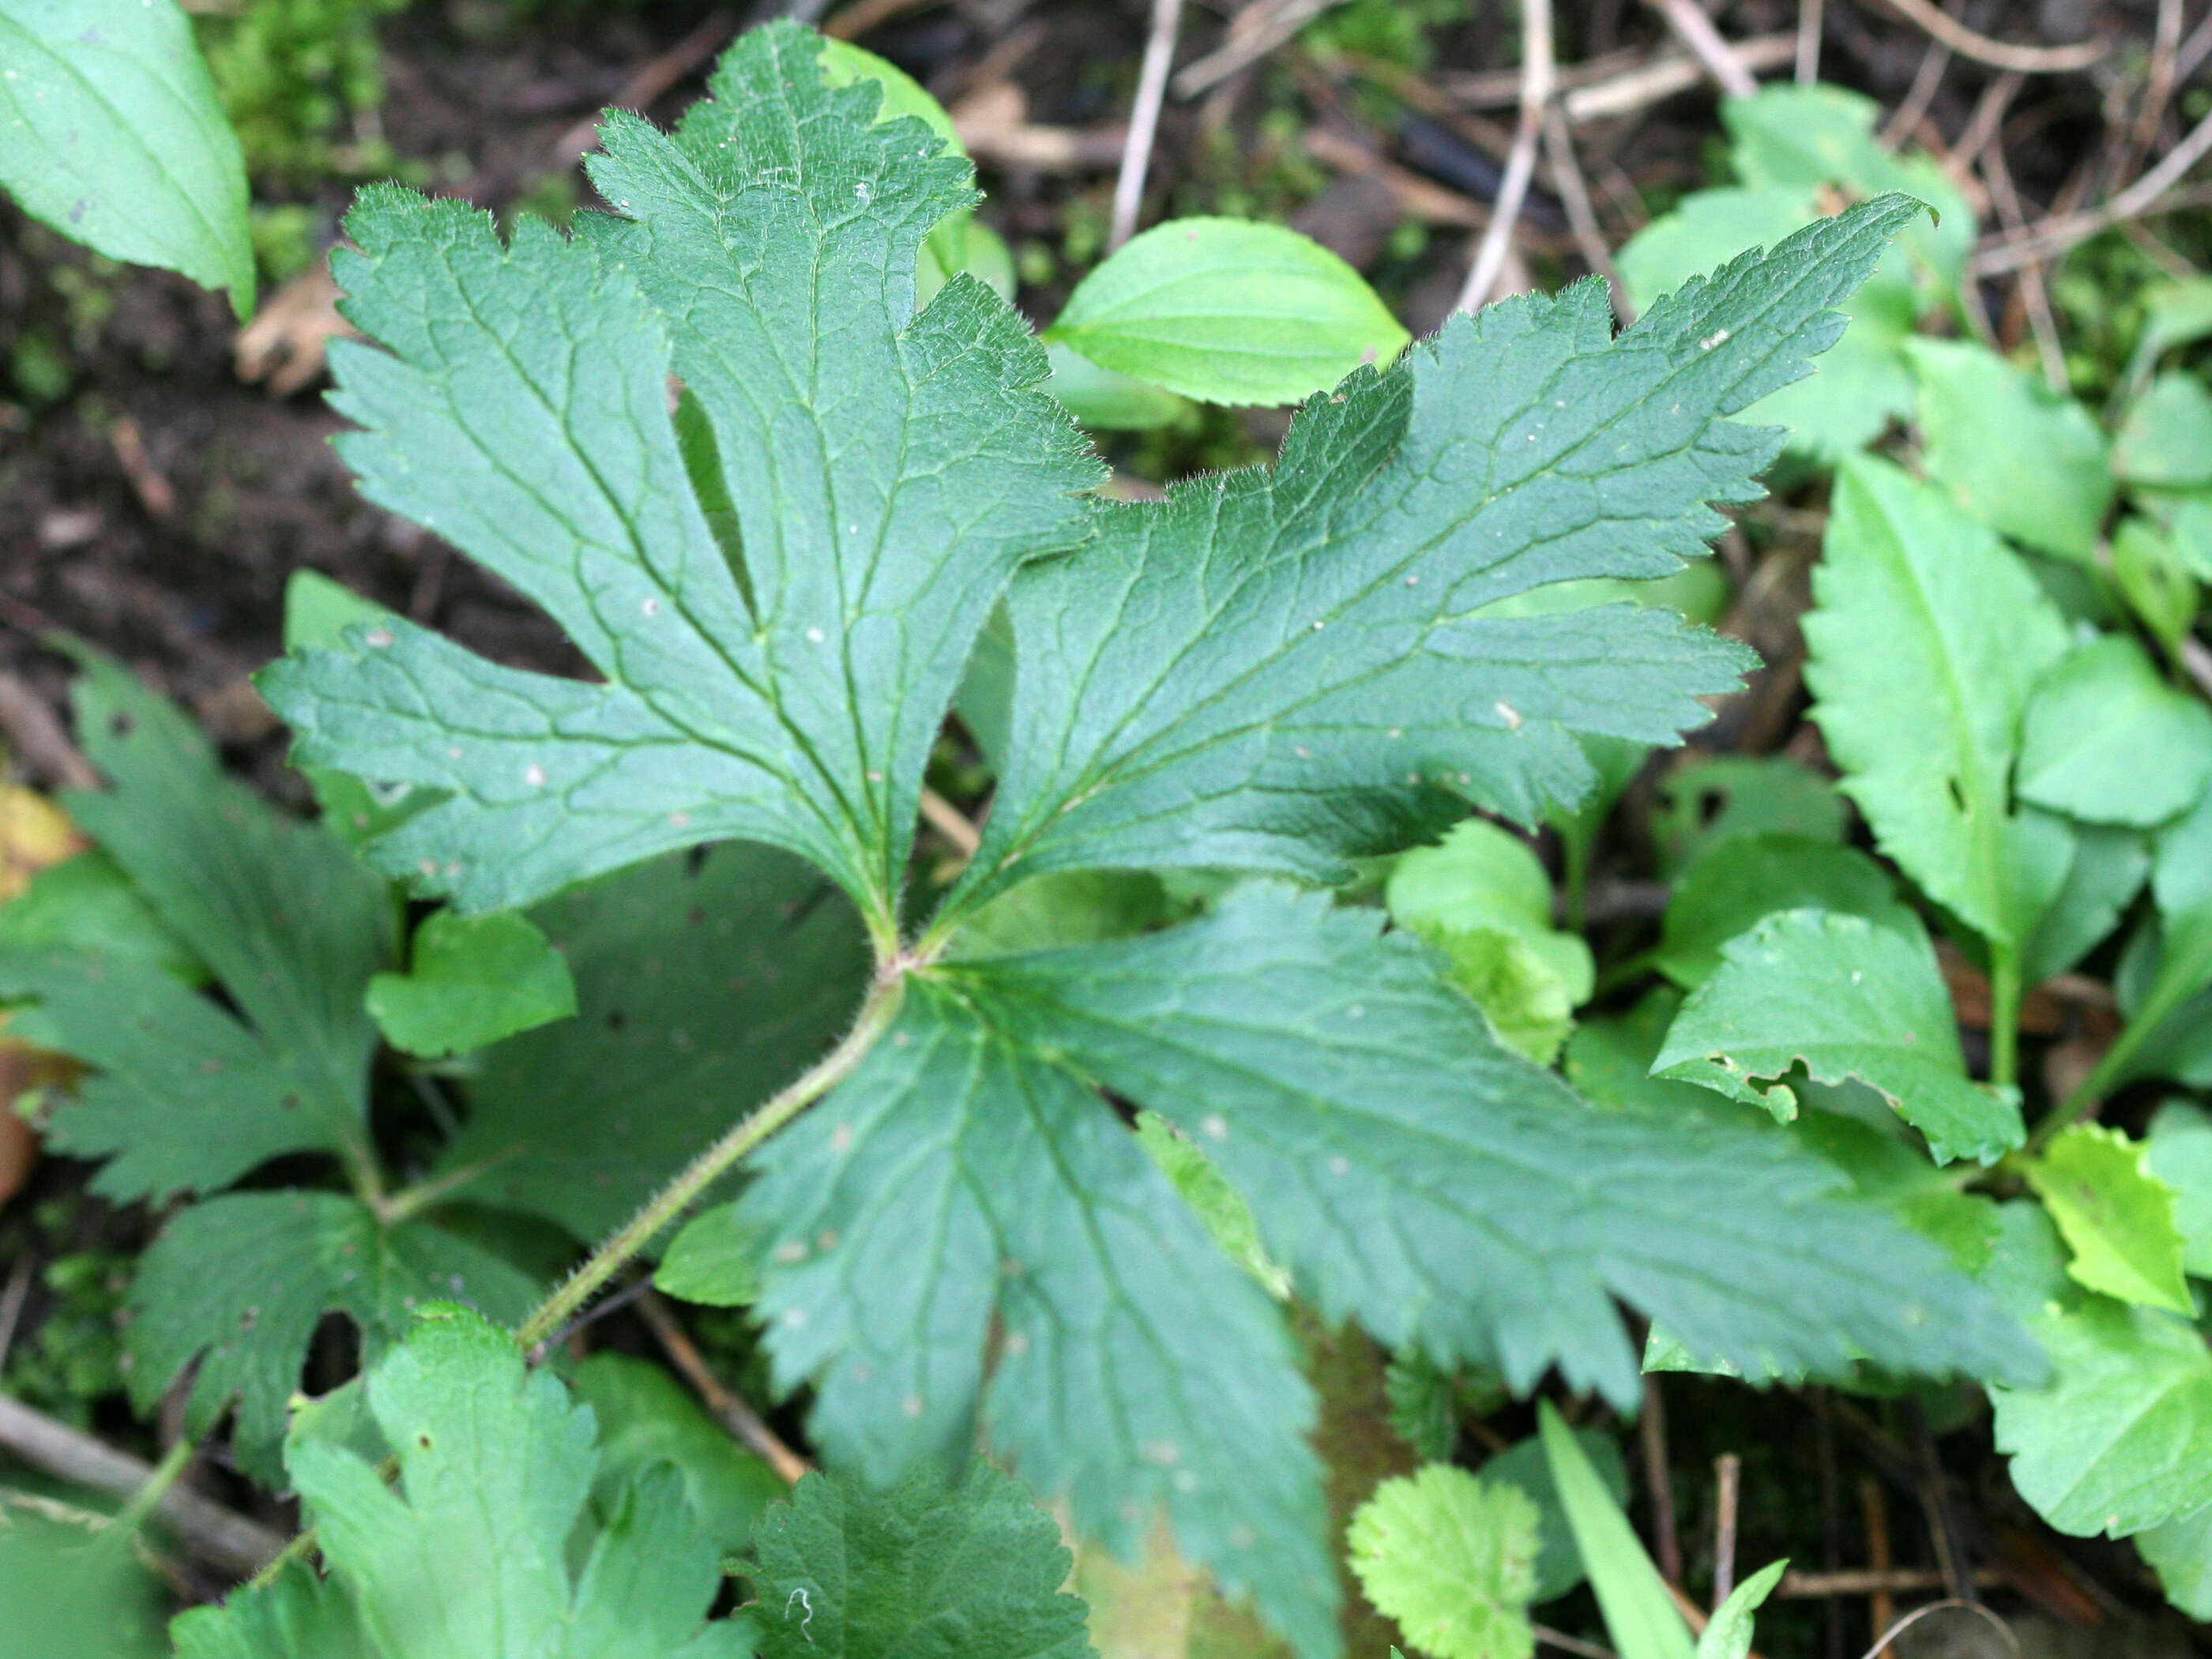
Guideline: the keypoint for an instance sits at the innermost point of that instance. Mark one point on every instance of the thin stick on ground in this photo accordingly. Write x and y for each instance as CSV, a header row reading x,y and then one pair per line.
x,y
1728,1482
1659,1480
2053,236
1811,20
1144,121
2035,298
1695,31
1914,104
1536,64
1881,1604
740,1418
1940,25
1581,218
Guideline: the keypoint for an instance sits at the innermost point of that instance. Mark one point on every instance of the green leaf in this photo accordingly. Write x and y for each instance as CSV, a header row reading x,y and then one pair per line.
x,y
1728,1636
1423,1402
1108,402
296,1615
72,1596
2107,741
469,1554
116,137
2159,988
1885,1170
2157,578
645,1417
1410,1172
2013,453
2166,438
2113,1443
1639,1615
703,985
1228,312
473,980
1483,898
87,904
1707,800
715,1259
1608,1059
1926,623
1275,669
318,611
2117,1217
2180,1552
2105,873
842,64
1846,998
1227,1216
1525,1464
2174,314
1725,892
190,1096
973,1570
2177,1153
963,1175
781,679
239,1283
1452,1558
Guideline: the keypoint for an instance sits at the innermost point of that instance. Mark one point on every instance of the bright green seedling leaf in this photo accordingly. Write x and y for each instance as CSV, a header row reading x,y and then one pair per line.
x,y
1227,311
702,984
842,63
2114,1443
473,979
1727,1635
1926,623
1108,402
2174,314
1727,891
1452,1558
2014,454
714,1260
2161,987
86,904
317,613
2166,438
1526,1465
1846,998
787,688
2158,580
189,1096
116,137
645,1417
468,1554
238,1284
2106,871
2177,1153
1227,1216
2117,1219
1705,801
1272,671
2180,1552
1483,898
2108,740
974,1569
296,1615
1639,1615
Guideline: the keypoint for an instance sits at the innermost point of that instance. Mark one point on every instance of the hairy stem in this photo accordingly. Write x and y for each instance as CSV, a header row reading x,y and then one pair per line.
x,y
874,1018
2004,1014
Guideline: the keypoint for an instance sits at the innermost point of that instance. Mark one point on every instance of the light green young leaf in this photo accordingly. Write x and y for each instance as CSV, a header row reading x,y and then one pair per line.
x,y
2156,578
1483,898
1728,1636
1271,671
2106,871
2166,438
1227,311
1227,1216
2159,992
1108,402
1926,623
1452,1558
1526,1464
787,687
645,1417
296,1615
2113,1444
115,137
973,1570
1846,998
239,1283
2180,1552
2117,1219
2174,314
318,611
2177,1153
1725,892
2016,456
2107,741
702,984
1707,800
469,1554
842,64
714,1259
1639,1615
189,1096
473,979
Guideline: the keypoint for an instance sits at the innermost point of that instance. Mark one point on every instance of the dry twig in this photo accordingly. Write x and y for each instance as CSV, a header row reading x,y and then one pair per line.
x,y
1574,196
1143,120
37,738
1254,33
1536,94
1659,1479
736,1416
1695,30
2147,195
1728,1482
1998,54
1811,18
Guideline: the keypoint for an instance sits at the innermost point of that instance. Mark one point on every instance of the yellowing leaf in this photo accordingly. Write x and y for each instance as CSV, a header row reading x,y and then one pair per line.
x,y
2117,1216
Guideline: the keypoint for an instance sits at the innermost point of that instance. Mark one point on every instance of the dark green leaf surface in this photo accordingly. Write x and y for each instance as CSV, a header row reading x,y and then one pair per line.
x,y
1274,670
240,1283
702,984
964,1172
1724,894
885,473
645,1417
973,1571
1716,798
112,131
